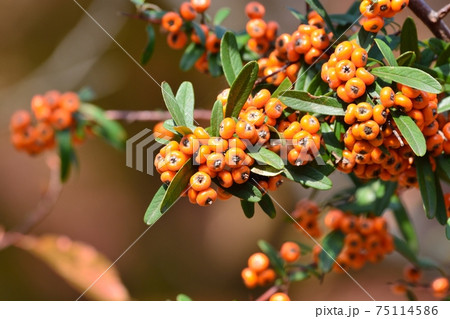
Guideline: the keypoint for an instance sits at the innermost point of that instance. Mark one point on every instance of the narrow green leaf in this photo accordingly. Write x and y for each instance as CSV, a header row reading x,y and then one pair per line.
x,y
403,248
317,6
111,131
444,56
177,186
230,57
172,105
443,167
412,77
365,39
267,206
384,195
183,130
308,176
275,260
407,59
248,208
199,31
441,208
283,87
241,89
303,78
410,132
408,38
265,156
444,105
301,17
298,276
148,51
266,170
404,223
183,297
332,144
214,65
64,140
386,52
221,15
186,100
246,191
332,245
216,118
303,101
447,229
192,53
427,185
153,212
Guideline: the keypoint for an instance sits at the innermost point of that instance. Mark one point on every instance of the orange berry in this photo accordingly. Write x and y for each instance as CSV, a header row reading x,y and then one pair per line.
x,y
206,197
290,251
61,119
412,274
387,96
177,40
249,277
266,277
187,11
440,285
355,88
241,174
258,262
256,28
20,120
255,10
310,124
200,181
279,296
171,21
200,5
70,101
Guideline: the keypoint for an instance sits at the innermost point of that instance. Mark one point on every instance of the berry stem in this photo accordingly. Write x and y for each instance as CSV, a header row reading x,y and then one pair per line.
x,y
432,19
269,292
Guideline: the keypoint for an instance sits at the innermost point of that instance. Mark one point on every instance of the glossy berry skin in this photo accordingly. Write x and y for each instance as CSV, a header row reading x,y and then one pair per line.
x,y
279,296
290,251
258,262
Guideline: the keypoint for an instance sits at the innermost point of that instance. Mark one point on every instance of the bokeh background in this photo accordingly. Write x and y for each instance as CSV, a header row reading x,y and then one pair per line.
x,y
52,44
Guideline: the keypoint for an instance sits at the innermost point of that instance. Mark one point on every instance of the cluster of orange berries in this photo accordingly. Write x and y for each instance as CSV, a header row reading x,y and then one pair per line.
x,y
306,214
371,130
440,286
262,34
366,239
375,11
345,71
177,38
52,112
309,41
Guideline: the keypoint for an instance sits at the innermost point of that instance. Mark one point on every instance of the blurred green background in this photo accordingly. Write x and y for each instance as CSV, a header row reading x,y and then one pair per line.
x,y
51,44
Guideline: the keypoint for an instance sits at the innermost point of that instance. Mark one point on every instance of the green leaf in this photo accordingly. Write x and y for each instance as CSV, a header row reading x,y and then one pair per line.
x,y
410,132
183,130
138,2
248,208
332,144
275,260
308,176
241,89
192,53
305,102
216,118
298,276
444,105
65,153
221,15
386,52
365,39
408,38
230,57
148,51
427,185
175,109
444,56
214,65
199,31
183,297
110,130
246,191
303,78
447,229
268,157
443,167
412,77
186,100
317,6
332,245
154,212
404,223
407,59
283,87
403,248
177,185
441,209
266,170
301,17
267,206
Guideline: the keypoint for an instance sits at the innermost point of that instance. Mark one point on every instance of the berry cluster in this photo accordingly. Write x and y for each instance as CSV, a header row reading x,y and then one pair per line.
x,y
306,214
52,112
258,272
375,11
374,146
262,34
345,71
308,42
366,239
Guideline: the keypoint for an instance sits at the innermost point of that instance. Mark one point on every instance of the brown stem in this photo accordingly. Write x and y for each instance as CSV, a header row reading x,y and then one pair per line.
x,y
147,116
42,210
269,292
432,19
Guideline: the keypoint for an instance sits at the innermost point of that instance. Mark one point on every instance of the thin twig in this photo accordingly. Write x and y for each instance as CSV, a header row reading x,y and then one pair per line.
x,y
42,210
269,292
432,19
148,116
